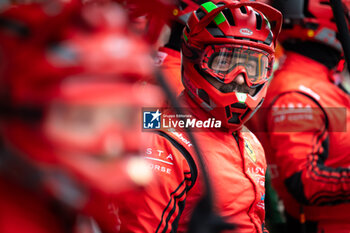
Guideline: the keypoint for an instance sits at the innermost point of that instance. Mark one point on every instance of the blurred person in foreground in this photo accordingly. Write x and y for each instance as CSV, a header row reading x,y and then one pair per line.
x,y
227,52
70,112
306,120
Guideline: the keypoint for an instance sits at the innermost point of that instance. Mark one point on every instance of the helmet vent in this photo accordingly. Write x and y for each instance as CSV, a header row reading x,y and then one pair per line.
x,y
243,10
228,112
229,16
212,25
214,30
235,118
269,38
248,39
204,96
258,21
200,13
239,105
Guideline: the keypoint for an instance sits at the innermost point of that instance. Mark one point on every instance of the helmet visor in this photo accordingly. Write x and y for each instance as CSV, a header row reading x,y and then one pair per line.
x,y
225,62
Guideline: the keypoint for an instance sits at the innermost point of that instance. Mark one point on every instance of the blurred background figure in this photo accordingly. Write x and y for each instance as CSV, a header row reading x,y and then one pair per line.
x,y
72,87
168,56
161,23
306,120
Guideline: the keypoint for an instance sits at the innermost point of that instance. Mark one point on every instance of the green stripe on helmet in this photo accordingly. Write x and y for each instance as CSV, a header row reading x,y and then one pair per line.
x,y
220,18
267,22
185,37
209,6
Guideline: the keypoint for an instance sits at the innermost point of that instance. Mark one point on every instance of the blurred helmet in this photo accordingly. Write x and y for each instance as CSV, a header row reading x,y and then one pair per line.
x,y
244,33
310,20
85,84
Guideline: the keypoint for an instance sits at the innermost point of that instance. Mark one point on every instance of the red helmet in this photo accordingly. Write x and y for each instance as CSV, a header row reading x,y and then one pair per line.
x,y
310,20
87,82
247,29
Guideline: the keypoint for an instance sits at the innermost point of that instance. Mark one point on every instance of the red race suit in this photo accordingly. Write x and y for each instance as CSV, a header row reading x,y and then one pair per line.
x,y
236,165
307,143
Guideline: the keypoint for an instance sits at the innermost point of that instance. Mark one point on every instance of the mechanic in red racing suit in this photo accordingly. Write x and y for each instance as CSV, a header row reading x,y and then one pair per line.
x,y
227,53
308,114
